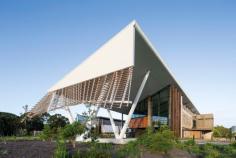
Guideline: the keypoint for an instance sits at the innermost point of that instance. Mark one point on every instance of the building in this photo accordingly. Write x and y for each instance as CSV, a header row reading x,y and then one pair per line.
x,y
127,75
233,130
103,124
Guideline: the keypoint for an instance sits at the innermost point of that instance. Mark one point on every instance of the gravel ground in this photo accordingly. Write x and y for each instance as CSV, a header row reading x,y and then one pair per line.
x,y
41,149
27,149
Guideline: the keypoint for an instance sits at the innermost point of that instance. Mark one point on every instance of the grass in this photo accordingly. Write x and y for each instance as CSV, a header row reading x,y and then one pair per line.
x,y
61,151
94,150
22,138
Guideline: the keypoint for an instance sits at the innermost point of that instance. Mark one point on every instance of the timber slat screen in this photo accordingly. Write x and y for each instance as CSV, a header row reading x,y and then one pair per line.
x,y
175,102
109,91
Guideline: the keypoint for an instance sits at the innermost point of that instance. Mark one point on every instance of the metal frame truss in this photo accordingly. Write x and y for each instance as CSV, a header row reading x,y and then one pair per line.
x,y
109,91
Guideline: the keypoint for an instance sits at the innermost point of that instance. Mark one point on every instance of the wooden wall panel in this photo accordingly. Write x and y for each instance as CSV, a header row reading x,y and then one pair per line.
x,y
141,122
175,105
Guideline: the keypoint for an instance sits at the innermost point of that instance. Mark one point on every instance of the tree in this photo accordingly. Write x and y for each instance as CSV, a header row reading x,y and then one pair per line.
x,y
221,131
57,121
45,116
31,124
90,122
25,108
34,124
70,131
9,124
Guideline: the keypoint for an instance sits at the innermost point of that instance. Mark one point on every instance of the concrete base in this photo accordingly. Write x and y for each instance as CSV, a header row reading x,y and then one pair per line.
x,y
115,141
107,140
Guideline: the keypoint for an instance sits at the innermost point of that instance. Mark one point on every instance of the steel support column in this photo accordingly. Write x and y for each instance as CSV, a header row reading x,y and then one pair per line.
x,y
113,125
69,114
122,133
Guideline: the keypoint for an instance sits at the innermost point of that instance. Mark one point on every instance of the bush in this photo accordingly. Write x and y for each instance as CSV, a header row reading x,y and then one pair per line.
x,y
93,134
209,151
161,141
190,146
47,133
72,130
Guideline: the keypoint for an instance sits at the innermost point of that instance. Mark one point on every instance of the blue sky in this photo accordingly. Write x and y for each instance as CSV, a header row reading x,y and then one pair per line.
x,y
40,41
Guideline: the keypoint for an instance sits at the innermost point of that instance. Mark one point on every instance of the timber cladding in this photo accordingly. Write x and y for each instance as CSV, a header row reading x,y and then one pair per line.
x,y
175,105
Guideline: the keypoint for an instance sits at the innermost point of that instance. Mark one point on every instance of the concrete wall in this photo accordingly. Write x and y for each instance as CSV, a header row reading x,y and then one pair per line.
x,y
204,121
191,134
187,118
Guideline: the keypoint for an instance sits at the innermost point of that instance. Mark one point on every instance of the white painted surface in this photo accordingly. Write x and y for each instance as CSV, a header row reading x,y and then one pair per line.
x,y
126,124
109,129
116,54
114,129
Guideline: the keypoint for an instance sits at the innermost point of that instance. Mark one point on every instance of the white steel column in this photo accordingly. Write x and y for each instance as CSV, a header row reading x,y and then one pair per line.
x,y
113,125
122,133
70,116
96,112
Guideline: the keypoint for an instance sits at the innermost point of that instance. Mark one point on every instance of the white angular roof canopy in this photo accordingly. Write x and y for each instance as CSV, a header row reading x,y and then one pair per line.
x,y
128,48
116,54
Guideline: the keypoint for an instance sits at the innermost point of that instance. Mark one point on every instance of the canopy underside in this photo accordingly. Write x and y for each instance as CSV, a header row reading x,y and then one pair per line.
x,y
111,91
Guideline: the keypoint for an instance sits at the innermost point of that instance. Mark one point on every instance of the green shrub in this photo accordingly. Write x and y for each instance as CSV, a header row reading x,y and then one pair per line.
x,y
227,151
209,151
161,141
93,134
49,133
70,131
190,146
233,145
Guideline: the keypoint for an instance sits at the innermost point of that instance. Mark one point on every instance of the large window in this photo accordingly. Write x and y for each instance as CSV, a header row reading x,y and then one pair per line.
x,y
160,101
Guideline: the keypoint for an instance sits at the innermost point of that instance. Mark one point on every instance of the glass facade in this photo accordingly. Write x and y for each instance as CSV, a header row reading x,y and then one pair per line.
x,y
160,101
